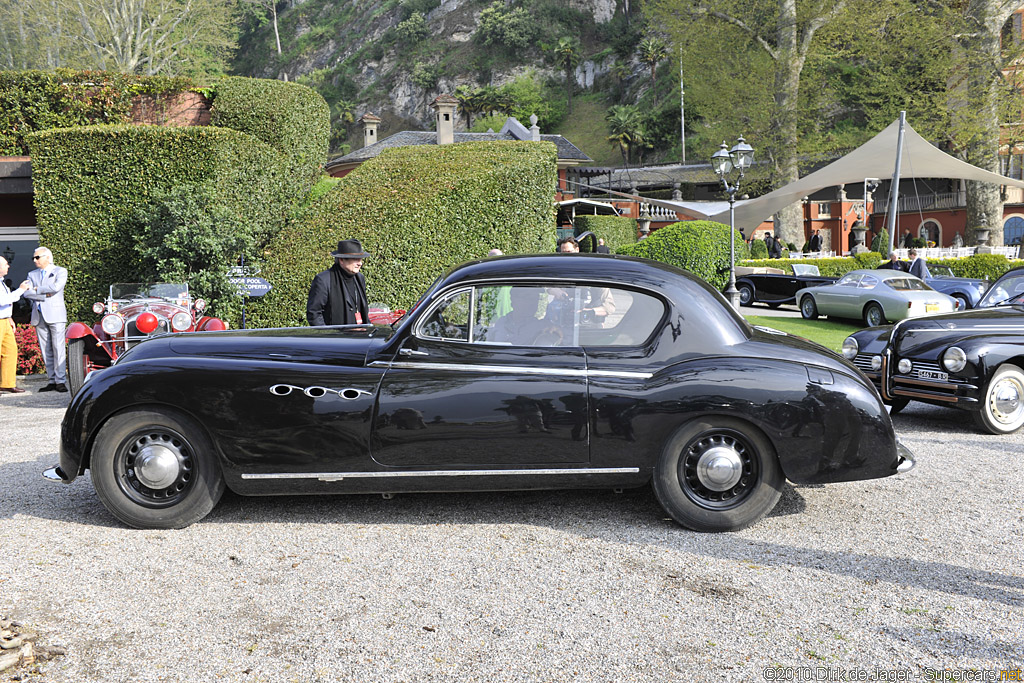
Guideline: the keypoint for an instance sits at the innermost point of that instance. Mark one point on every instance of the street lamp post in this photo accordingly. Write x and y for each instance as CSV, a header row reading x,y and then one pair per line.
x,y
724,162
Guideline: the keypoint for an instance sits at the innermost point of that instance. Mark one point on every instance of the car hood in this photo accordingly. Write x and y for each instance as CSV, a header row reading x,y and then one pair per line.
x,y
347,345
920,335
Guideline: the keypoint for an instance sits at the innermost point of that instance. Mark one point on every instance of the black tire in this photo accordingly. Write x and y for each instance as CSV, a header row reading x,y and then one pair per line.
x,y
746,294
808,309
751,490
76,365
874,315
1002,408
898,404
179,452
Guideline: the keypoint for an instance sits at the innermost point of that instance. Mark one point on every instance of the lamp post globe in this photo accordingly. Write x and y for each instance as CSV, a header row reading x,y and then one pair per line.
x,y
724,162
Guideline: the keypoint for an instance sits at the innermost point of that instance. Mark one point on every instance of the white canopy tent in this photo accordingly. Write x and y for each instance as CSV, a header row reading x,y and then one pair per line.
x,y
876,158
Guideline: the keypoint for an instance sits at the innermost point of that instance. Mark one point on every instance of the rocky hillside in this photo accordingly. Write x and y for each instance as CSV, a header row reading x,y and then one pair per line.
x,y
393,57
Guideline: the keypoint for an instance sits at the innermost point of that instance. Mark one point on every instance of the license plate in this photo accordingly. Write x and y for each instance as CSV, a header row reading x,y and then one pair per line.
x,y
933,374
931,308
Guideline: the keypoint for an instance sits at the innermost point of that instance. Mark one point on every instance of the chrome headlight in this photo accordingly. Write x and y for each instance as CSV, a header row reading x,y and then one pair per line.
x,y
850,348
98,308
954,359
876,362
112,324
905,366
181,321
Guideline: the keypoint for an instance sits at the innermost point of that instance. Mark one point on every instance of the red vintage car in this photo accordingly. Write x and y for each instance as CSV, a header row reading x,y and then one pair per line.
x,y
133,312
380,314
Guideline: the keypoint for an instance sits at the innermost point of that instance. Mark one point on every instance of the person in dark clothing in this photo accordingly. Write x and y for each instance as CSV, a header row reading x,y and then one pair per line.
x,y
774,247
893,263
337,296
814,244
908,240
602,248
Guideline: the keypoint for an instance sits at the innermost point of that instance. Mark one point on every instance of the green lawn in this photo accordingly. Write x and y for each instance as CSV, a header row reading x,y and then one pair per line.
x,y
825,332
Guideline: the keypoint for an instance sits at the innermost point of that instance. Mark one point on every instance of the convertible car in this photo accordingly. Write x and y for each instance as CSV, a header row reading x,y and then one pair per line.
x,y
968,290
774,287
529,372
875,296
972,360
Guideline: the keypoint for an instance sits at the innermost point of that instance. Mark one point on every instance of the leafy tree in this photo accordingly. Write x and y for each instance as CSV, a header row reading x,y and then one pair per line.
x,y
414,29
425,75
651,51
470,103
567,56
529,97
188,235
513,29
259,8
625,124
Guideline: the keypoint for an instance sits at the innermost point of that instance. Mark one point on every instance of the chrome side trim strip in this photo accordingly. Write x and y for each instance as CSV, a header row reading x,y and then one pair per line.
x,y
513,370
338,476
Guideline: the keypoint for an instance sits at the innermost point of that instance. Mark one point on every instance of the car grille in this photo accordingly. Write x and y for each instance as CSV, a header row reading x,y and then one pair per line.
x,y
863,363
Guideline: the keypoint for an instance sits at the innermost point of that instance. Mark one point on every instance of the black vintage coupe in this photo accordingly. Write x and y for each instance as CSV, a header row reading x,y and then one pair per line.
x,y
774,287
972,360
532,372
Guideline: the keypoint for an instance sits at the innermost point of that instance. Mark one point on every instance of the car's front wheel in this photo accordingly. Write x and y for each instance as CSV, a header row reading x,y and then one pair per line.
x,y
808,309
155,469
746,294
718,474
1002,409
873,315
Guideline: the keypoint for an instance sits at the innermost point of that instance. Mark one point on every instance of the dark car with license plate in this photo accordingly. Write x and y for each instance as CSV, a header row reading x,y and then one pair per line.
x,y
973,360
515,373
773,286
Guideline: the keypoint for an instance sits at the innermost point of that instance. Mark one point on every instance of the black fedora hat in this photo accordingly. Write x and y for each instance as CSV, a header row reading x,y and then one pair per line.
x,y
350,249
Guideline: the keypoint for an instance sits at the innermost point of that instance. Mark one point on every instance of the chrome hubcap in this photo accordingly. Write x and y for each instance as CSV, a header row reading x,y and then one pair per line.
x,y
156,466
1006,402
720,468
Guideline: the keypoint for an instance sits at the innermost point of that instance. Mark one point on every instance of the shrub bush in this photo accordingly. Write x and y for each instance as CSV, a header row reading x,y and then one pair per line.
x,y
758,249
617,231
419,211
289,117
90,181
30,356
701,247
880,244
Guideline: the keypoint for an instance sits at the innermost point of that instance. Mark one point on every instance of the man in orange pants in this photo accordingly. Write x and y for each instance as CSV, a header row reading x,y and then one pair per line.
x,y
8,346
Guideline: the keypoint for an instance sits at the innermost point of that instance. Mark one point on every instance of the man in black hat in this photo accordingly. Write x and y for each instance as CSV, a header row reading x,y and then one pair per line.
x,y
338,294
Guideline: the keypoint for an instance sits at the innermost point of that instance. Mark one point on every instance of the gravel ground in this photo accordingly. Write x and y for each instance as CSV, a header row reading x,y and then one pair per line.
x,y
889,578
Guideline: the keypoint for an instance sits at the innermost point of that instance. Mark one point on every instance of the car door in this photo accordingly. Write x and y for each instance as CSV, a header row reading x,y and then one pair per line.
x,y
840,298
488,376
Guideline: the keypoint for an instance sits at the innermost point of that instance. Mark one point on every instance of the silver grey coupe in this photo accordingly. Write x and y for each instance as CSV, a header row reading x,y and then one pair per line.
x,y
876,297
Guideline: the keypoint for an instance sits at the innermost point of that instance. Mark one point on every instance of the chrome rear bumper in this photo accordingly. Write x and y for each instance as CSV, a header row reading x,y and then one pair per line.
x,y
54,474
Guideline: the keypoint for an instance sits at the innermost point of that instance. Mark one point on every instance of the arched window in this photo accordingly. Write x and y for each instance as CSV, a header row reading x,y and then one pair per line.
x,y
1013,230
930,232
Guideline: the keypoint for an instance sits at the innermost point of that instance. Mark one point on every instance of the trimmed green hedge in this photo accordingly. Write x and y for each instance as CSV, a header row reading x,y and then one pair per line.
x,y
701,247
419,210
617,231
31,101
291,118
89,182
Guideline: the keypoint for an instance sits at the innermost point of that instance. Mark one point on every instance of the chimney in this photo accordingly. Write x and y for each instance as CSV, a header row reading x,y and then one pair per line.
x,y
534,128
445,106
370,122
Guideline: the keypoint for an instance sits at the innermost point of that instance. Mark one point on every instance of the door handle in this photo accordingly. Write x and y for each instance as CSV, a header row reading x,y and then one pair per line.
x,y
412,352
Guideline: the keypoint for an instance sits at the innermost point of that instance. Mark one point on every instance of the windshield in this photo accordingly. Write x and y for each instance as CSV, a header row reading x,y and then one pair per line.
x,y
1009,289
805,269
135,290
940,271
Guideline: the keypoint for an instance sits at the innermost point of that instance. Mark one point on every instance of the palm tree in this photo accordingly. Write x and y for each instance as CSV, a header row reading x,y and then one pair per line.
x,y
627,131
567,56
469,103
652,51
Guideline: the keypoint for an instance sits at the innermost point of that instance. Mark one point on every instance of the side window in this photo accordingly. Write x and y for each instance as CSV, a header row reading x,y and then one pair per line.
x,y
450,320
617,317
868,282
526,315
849,281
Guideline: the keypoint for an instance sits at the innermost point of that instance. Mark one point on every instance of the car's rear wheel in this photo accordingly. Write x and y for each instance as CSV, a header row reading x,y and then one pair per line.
x,y
873,315
746,294
808,309
718,474
964,303
1002,408
155,469
76,365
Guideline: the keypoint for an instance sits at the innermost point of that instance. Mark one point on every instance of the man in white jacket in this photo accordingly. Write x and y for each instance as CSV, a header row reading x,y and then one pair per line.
x,y
49,315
